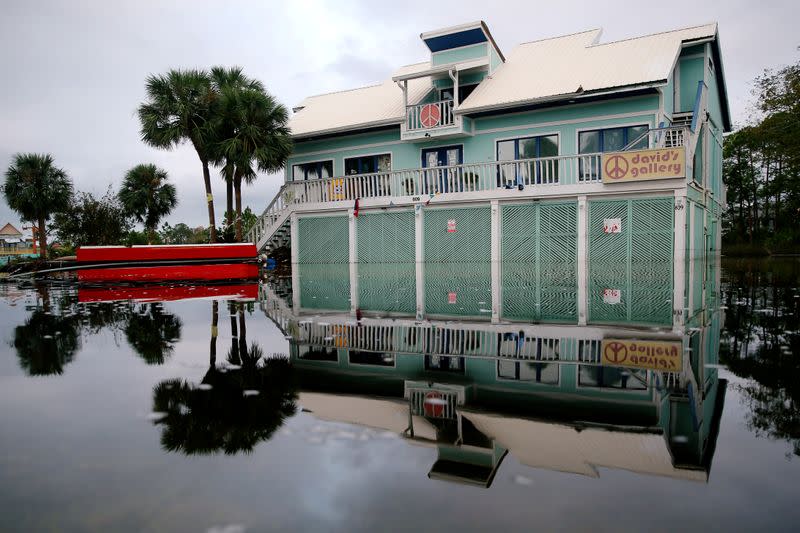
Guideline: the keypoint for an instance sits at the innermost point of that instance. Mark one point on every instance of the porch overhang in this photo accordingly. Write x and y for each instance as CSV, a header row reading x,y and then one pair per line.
x,y
442,71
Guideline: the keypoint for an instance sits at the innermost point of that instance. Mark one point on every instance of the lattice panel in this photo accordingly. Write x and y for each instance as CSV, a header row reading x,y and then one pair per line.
x,y
608,248
463,289
539,252
652,230
324,286
698,258
388,287
637,261
520,291
558,248
323,240
460,235
519,223
385,237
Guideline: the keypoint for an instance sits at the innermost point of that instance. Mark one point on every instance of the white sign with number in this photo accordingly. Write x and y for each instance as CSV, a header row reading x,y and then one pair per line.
x,y
612,296
612,225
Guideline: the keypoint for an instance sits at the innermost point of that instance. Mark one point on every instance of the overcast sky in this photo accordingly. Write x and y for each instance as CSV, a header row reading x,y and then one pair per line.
x,y
73,72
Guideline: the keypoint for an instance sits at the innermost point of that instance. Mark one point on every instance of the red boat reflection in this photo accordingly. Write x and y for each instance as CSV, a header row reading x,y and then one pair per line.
x,y
165,293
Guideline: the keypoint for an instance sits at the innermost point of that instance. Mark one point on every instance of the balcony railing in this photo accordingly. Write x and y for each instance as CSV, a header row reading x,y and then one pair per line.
x,y
430,115
465,178
455,179
471,177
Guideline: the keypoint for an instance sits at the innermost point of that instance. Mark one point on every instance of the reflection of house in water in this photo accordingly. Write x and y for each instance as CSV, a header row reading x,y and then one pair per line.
x,y
632,389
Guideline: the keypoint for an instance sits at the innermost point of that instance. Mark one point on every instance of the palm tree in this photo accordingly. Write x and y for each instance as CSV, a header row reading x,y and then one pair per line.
x,y
257,138
179,107
228,79
146,195
36,189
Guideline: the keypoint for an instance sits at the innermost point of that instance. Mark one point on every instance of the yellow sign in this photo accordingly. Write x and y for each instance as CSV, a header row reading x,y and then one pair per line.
x,y
654,355
340,336
641,165
337,189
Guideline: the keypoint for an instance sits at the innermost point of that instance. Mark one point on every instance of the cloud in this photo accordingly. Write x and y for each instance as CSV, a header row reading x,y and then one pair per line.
x,y
74,72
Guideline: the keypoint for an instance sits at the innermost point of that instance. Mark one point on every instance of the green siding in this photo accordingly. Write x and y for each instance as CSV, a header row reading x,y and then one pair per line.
x,y
469,243
539,269
637,261
494,60
481,147
458,289
385,236
691,73
323,240
324,287
457,55
388,288
386,261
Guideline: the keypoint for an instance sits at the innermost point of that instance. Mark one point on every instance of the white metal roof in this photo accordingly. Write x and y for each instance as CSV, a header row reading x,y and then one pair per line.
x,y
536,71
559,447
364,107
576,64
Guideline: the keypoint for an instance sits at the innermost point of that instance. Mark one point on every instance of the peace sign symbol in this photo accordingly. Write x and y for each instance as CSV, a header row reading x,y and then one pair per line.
x,y
616,167
615,352
429,115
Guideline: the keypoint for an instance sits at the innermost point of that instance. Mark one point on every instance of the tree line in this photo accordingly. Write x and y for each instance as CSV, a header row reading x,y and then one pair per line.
x,y
761,169
229,119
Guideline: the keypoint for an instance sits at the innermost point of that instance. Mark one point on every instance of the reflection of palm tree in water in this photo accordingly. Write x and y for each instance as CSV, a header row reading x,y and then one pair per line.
x,y
235,407
152,333
47,341
50,336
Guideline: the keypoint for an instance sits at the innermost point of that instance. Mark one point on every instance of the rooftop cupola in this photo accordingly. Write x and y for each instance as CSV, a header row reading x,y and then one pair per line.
x,y
461,57
463,43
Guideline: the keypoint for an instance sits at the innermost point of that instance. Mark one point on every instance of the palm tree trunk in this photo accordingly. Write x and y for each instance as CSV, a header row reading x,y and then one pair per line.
x,y
210,201
151,233
242,331
232,309
237,186
212,349
42,238
229,193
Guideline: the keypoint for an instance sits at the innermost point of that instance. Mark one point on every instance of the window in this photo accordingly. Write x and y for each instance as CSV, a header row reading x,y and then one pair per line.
x,y
368,164
546,373
312,171
444,363
607,140
371,358
463,92
310,353
612,378
611,139
529,172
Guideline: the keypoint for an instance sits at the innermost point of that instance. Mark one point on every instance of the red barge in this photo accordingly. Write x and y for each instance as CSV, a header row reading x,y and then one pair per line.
x,y
182,262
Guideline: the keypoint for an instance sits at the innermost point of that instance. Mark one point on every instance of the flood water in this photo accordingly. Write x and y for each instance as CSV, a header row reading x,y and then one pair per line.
x,y
221,408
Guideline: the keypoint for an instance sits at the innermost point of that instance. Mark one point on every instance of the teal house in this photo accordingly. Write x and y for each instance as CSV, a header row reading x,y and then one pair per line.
x,y
587,170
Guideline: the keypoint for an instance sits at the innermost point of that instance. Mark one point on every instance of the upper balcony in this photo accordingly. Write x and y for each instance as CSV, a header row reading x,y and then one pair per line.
x,y
436,116
658,154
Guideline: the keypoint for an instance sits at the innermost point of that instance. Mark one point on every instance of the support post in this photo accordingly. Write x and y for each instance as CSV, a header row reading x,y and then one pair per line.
x,y
419,259
353,259
690,216
679,253
295,250
497,287
583,259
